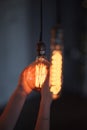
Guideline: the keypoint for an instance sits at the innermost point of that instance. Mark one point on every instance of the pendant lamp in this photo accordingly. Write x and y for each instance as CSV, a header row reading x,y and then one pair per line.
x,y
56,47
36,73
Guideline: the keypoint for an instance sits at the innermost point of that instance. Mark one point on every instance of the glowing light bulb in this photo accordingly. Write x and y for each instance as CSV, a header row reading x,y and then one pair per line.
x,y
36,73
56,72
40,74
41,71
55,80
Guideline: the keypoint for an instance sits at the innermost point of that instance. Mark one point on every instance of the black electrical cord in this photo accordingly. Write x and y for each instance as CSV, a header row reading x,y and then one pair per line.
x,y
41,20
58,11
41,48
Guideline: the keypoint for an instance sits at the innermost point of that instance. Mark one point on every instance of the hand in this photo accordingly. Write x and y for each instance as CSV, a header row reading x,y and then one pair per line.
x,y
23,81
46,95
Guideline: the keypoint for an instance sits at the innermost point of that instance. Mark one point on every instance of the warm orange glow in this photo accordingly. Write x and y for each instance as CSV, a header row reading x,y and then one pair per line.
x,y
56,72
40,75
36,73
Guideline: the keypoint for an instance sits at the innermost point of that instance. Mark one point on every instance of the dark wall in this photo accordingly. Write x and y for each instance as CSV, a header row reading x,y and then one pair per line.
x,y
71,20
74,58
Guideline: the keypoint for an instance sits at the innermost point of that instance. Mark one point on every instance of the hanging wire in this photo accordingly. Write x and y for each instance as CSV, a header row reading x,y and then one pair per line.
x,y
41,20
58,11
41,48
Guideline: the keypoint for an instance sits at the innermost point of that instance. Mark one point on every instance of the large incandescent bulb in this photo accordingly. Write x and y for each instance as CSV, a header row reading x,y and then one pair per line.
x,y
36,73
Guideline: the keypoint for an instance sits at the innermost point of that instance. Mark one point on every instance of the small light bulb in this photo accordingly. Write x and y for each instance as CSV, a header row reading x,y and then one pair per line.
x,y
55,81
